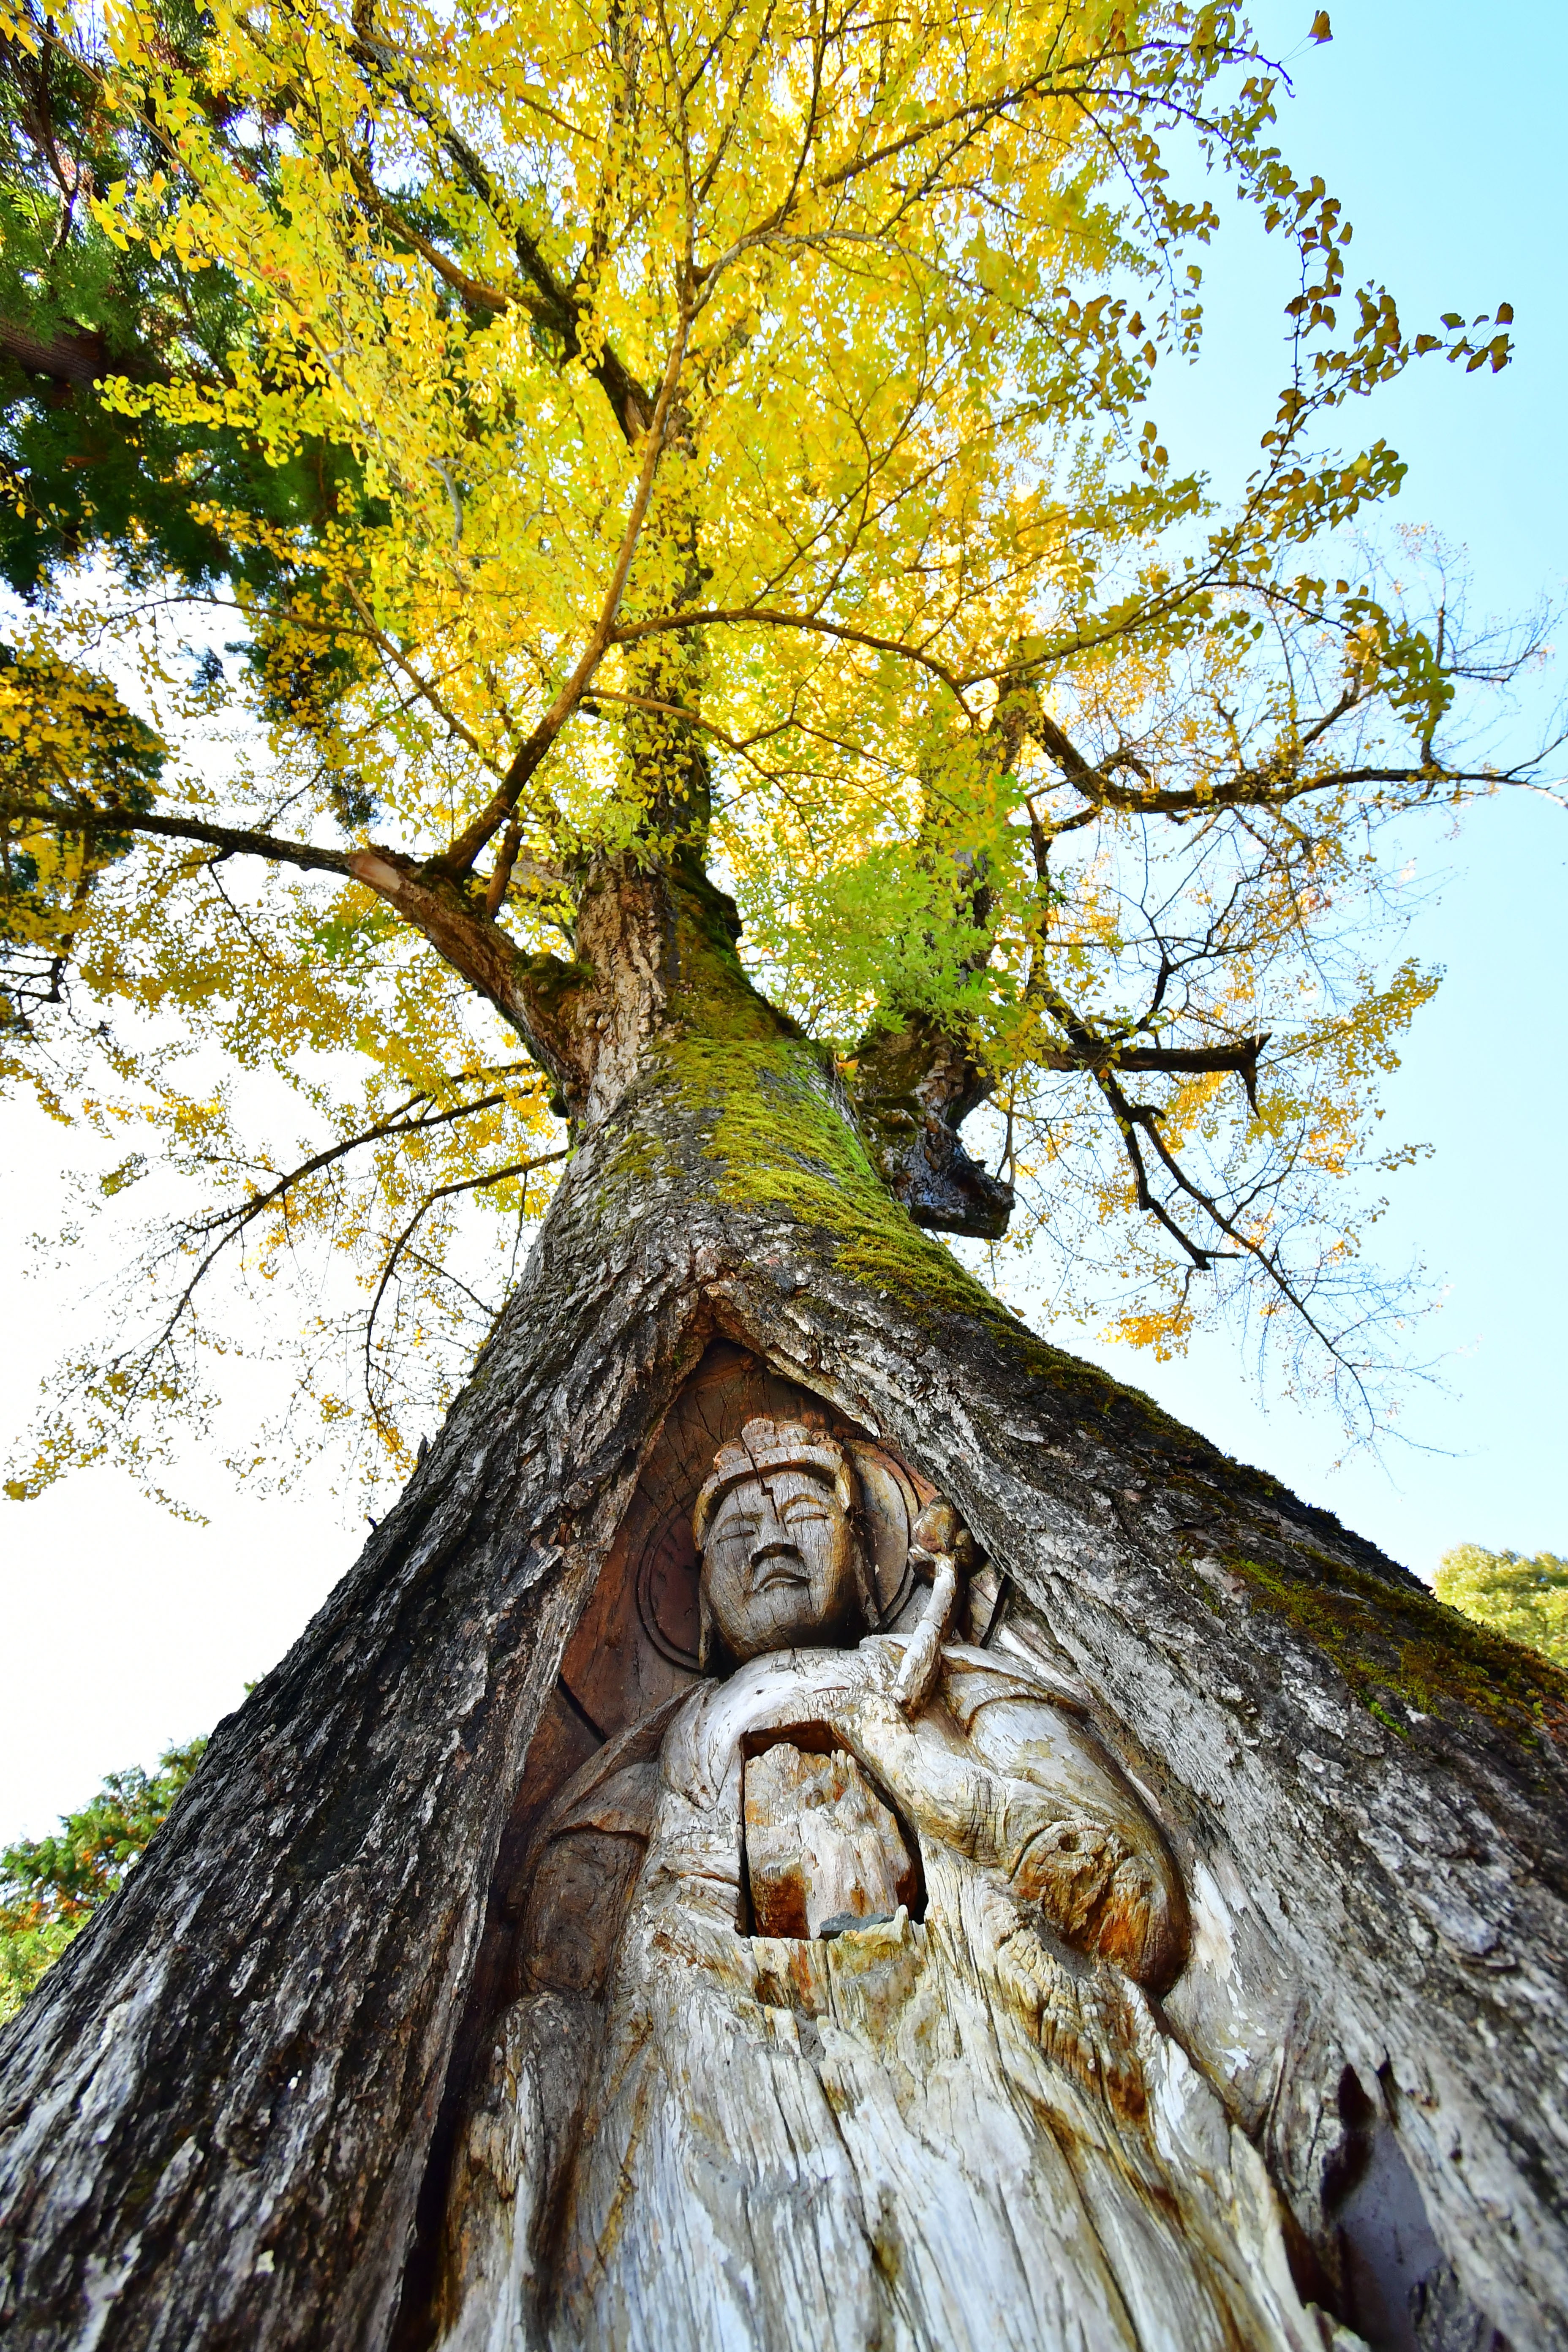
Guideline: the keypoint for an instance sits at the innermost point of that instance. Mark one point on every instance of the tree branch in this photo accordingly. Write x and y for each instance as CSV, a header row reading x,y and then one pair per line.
x,y
458,857
525,989
1251,788
231,1224
233,841
768,617
397,1123
1193,1060
559,307
441,1193
479,296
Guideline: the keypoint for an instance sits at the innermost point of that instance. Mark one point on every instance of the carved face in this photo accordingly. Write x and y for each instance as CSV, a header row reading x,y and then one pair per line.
x,y
780,1566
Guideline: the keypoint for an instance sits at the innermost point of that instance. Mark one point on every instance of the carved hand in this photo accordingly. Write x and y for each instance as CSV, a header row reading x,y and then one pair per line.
x,y
1047,1814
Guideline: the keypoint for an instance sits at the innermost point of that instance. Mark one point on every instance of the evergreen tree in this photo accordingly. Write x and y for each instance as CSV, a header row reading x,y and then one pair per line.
x,y
49,1887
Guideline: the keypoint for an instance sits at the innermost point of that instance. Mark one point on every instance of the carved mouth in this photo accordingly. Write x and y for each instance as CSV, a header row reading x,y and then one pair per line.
x,y
779,1569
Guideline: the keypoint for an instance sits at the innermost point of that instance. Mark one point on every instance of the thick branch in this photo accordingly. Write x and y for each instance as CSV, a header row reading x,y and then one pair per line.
x,y
1272,788
459,858
558,306
916,1080
914,1087
550,1004
766,616
539,996
232,840
73,361
1178,1060
479,296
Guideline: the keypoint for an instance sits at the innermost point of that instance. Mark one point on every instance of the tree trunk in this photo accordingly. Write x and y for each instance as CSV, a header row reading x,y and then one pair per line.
x,y
223,2116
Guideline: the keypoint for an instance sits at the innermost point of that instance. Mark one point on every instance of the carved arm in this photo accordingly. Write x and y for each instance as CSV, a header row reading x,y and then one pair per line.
x,y
1024,1791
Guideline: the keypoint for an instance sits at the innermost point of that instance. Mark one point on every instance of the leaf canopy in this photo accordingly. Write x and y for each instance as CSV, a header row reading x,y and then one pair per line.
x,y
613,433
1522,1594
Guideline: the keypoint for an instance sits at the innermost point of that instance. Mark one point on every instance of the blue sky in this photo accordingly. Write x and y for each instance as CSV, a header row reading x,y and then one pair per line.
x,y
1441,131
1442,134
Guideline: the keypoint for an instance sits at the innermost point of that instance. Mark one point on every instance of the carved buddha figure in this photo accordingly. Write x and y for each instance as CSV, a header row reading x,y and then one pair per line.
x,y
838,2024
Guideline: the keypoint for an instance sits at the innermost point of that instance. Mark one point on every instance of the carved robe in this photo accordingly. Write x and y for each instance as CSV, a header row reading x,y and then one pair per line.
x,y
966,2129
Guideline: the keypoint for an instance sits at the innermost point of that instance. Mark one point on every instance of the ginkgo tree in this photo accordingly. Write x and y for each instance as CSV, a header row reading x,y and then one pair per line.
x,y
722,452
603,601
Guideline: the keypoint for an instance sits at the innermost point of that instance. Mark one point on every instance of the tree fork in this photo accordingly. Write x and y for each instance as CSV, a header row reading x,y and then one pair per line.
x,y
914,1087
217,2113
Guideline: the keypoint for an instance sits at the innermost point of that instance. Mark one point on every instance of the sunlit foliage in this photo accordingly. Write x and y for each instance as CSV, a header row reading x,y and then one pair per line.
x,y
70,732
524,438
1523,1595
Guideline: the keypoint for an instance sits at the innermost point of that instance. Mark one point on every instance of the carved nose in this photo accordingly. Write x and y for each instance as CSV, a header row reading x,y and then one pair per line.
x,y
772,1533
770,1556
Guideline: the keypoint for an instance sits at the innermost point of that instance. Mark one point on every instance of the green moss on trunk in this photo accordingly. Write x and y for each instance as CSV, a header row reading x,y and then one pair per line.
x,y
1395,1645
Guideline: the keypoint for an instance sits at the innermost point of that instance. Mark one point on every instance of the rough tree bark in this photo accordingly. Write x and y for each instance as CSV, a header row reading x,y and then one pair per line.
x,y
217,2114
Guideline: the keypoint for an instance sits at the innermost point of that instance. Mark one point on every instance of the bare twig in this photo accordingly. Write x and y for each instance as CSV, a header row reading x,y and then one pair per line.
x,y
442,1192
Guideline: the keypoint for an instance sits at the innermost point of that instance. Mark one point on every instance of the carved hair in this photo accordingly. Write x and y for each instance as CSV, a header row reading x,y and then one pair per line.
x,y
765,1445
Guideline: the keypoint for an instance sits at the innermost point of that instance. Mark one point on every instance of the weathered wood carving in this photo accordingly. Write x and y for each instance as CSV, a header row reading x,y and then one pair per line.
x,y
834,2014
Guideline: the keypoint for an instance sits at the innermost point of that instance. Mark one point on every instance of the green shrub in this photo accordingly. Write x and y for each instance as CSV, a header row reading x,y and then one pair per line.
x,y
1524,1597
49,1887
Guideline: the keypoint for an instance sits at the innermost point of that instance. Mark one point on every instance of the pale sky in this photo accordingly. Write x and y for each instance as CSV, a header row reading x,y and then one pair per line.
x,y
1439,128
123,1630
